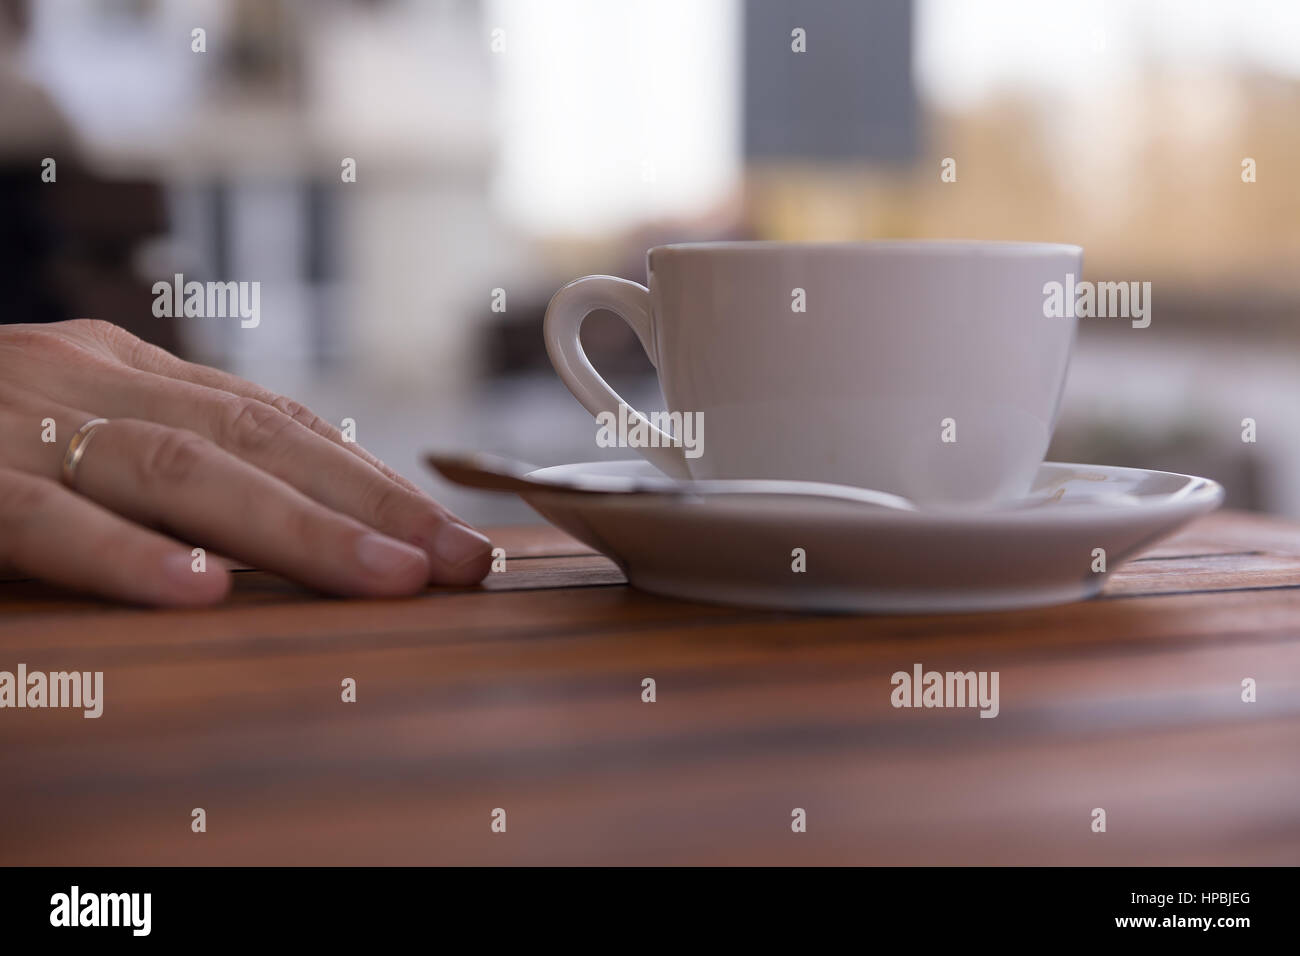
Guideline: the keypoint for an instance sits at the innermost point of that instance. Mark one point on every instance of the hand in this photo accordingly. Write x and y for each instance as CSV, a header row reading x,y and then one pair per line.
x,y
195,455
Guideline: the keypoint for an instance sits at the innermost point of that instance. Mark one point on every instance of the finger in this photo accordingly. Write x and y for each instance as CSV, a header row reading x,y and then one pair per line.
x,y
147,357
178,480
279,445
50,533
34,434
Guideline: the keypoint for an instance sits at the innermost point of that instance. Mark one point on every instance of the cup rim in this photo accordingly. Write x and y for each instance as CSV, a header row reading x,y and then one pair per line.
x,y
932,246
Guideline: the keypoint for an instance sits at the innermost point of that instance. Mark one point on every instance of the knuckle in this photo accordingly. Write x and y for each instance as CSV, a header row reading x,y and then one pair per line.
x,y
21,497
174,456
25,505
299,413
30,338
71,341
99,329
387,500
250,425
109,338
312,526
391,505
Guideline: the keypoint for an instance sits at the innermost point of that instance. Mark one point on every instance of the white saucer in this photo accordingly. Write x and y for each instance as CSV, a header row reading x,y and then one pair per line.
x,y
738,549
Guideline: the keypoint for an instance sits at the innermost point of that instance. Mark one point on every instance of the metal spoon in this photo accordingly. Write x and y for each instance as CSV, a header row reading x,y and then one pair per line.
x,y
493,473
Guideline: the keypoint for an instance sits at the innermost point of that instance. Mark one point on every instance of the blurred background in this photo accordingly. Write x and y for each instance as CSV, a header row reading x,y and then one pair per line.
x,y
503,147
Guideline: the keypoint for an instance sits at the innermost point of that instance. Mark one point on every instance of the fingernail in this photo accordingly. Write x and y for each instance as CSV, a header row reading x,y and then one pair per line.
x,y
382,555
455,544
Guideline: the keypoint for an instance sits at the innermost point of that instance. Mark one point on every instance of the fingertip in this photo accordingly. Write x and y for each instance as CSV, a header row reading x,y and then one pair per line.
x,y
391,566
190,580
460,555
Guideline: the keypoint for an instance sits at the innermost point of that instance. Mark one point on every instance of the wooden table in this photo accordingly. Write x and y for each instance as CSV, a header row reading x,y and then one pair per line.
x,y
526,695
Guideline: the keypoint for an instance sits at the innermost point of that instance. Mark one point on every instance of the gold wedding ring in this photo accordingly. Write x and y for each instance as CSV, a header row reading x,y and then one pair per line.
x,y
77,448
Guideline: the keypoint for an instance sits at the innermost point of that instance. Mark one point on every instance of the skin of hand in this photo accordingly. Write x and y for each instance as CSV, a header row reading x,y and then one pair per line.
x,y
193,456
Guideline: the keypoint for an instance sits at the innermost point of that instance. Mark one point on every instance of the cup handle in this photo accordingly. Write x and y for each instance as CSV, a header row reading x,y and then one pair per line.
x,y
562,329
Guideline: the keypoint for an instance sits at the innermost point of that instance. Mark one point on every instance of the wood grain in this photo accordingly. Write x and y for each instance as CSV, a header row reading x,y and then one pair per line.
x,y
525,694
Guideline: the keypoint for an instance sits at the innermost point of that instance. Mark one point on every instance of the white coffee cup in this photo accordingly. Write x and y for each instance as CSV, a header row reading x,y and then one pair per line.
x,y
923,368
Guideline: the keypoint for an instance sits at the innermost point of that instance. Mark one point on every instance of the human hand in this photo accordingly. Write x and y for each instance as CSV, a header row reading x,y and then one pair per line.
x,y
193,454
